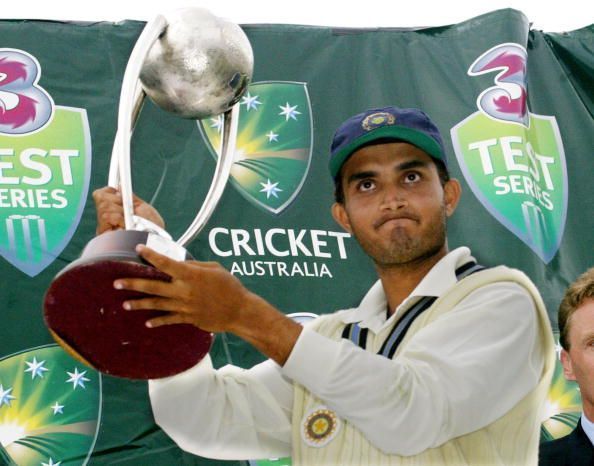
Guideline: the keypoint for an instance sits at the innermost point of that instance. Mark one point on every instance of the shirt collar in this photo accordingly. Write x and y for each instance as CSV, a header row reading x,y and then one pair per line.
x,y
588,427
371,313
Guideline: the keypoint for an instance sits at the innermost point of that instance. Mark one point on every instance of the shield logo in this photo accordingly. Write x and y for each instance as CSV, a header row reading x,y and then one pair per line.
x,y
44,181
519,174
50,408
274,143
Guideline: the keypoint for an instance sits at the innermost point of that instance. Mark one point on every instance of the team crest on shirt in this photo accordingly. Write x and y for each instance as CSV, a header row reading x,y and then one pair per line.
x,y
319,426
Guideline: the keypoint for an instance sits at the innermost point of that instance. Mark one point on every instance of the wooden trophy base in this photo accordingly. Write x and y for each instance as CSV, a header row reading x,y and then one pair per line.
x,y
84,314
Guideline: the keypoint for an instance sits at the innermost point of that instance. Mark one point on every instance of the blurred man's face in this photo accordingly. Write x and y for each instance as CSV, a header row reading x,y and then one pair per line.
x,y
578,362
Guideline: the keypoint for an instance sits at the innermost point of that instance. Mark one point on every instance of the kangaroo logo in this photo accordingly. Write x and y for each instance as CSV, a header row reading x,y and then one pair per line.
x,y
25,107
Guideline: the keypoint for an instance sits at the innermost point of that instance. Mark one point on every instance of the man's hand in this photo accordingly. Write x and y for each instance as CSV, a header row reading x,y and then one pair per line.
x,y
206,295
203,294
110,213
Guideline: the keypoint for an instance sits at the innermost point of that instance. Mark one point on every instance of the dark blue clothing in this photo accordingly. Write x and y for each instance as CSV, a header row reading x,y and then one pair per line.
x,y
574,449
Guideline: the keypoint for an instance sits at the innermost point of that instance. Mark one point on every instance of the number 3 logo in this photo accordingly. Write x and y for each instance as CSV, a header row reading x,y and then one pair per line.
x,y
24,106
507,99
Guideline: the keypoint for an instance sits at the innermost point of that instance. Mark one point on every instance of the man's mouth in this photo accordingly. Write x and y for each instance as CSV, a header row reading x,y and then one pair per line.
x,y
401,219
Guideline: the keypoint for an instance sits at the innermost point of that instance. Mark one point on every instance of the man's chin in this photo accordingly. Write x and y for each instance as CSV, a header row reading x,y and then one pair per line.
x,y
407,253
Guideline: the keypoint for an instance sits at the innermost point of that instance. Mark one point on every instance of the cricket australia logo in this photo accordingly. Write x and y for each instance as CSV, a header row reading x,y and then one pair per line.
x,y
45,161
512,159
274,143
50,408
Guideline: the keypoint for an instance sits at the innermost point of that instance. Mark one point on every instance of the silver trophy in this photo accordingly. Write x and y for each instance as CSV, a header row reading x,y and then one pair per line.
x,y
194,65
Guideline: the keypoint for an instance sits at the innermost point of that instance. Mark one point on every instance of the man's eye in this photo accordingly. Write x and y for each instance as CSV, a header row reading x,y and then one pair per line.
x,y
412,177
366,185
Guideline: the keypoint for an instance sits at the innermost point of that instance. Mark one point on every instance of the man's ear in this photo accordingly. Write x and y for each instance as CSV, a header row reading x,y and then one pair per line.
x,y
340,215
567,365
451,193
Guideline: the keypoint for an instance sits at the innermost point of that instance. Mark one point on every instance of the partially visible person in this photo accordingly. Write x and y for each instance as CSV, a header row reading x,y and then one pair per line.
x,y
576,328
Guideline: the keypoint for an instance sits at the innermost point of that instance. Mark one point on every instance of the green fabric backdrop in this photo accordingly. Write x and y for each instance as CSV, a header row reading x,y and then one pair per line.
x,y
330,74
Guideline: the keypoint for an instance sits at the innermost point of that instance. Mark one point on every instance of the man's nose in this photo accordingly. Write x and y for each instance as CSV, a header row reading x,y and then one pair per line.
x,y
393,197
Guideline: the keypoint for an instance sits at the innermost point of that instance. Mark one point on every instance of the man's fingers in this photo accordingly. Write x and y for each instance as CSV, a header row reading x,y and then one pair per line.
x,y
105,206
109,221
154,303
108,202
169,320
137,200
152,287
113,218
104,190
207,265
109,197
163,263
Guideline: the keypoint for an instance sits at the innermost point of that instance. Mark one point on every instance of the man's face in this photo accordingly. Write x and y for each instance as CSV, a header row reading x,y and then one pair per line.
x,y
395,204
578,362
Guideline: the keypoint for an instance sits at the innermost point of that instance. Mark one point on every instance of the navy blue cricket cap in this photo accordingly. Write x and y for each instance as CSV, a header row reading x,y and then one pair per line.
x,y
390,123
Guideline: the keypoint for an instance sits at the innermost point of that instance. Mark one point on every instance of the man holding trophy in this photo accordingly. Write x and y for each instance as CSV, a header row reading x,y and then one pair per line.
x,y
421,372
449,393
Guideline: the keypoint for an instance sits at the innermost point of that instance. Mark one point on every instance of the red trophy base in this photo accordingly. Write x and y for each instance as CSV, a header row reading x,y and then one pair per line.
x,y
84,314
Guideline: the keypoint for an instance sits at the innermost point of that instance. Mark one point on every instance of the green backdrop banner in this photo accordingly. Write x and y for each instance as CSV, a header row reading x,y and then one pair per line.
x,y
515,108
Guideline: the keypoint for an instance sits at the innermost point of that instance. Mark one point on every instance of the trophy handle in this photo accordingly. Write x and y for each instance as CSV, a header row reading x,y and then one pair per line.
x,y
220,177
130,105
129,101
114,168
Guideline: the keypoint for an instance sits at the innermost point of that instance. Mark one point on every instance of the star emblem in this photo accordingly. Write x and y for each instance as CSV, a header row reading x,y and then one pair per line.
x,y
5,396
270,189
77,378
320,426
251,102
272,136
217,123
58,408
289,112
36,368
51,463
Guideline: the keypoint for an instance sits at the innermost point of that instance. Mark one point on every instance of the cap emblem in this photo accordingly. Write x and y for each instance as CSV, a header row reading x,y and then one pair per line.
x,y
375,120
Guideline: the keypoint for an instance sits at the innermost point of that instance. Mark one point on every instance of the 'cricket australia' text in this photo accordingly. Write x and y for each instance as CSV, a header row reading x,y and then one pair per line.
x,y
301,248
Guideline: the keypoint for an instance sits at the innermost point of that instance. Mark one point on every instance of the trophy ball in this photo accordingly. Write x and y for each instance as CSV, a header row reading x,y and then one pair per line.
x,y
199,67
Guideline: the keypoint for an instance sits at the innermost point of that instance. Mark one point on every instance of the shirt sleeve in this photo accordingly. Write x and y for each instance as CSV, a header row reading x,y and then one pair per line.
x,y
230,413
456,375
